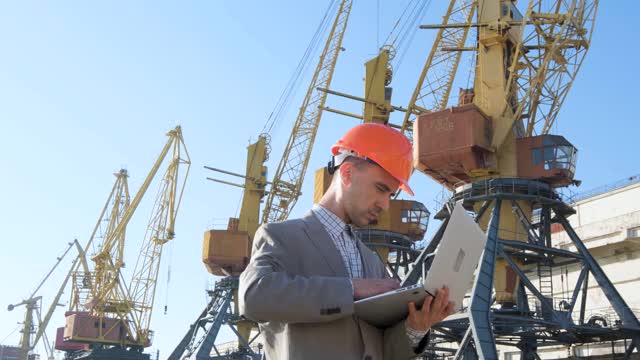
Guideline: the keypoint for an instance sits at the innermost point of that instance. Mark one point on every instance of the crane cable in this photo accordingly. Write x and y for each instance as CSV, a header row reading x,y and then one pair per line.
x,y
11,333
395,26
377,24
414,11
406,25
410,29
404,29
294,81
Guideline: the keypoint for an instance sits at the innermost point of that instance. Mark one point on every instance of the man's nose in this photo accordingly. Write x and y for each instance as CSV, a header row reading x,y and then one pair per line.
x,y
383,203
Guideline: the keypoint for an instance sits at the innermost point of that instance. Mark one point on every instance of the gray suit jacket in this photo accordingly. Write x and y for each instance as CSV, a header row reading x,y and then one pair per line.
x,y
297,287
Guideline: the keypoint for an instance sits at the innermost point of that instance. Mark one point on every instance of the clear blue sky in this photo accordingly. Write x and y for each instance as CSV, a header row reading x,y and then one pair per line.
x,y
87,88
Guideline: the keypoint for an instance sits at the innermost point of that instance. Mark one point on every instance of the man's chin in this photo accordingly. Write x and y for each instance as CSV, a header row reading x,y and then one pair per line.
x,y
365,223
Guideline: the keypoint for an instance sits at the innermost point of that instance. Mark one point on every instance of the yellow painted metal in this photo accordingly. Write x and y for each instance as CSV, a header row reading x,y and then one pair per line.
x,y
434,85
254,187
42,326
33,328
377,105
287,181
108,293
543,48
525,65
248,221
357,98
27,327
489,89
490,82
289,175
109,258
321,183
254,190
224,251
550,46
160,230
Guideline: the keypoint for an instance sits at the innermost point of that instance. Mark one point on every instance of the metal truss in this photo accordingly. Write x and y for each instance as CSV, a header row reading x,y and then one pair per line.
x,y
538,318
201,337
289,175
402,251
436,80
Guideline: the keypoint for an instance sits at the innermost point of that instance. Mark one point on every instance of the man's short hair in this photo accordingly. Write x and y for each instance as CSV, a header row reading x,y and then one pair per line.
x,y
357,162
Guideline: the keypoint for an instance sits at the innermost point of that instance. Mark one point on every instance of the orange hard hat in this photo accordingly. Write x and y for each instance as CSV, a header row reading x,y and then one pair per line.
x,y
387,147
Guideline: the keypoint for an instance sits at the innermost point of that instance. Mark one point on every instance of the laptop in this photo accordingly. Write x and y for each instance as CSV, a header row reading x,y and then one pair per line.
x,y
454,263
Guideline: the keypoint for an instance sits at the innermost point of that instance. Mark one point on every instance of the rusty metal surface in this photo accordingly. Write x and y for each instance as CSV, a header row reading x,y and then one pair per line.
x,y
450,144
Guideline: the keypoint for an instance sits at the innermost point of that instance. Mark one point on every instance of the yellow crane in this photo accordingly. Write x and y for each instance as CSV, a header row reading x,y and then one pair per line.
x,y
34,327
160,230
432,93
119,314
110,251
495,150
524,65
493,147
84,280
398,229
287,181
227,252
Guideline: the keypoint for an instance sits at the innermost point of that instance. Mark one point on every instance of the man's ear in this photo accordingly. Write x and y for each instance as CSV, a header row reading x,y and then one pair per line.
x,y
346,173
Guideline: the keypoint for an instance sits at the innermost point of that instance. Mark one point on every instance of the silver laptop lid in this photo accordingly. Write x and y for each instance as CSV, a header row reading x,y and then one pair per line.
x,y
457,256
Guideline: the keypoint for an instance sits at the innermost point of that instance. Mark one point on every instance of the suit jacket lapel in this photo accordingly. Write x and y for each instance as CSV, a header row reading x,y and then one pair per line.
x,y
323,242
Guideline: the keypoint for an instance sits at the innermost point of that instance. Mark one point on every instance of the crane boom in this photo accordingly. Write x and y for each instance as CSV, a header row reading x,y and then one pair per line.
x,y
55,303
33,304
289,175
554,41
124,313
108,260
434,85
110,292
161,229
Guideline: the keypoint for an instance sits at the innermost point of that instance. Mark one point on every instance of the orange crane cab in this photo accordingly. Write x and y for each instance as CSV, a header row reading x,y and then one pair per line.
x,y
453,146
549,158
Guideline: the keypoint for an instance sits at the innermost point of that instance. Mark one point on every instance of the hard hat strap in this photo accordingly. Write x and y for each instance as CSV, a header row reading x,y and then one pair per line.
x,y
342,155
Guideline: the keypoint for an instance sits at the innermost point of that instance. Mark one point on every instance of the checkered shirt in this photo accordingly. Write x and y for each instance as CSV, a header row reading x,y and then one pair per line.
x,y
343,238
345,241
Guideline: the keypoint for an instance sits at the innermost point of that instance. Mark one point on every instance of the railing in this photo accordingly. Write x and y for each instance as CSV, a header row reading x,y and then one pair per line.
x,y
504,186
603,189
230,347
605,317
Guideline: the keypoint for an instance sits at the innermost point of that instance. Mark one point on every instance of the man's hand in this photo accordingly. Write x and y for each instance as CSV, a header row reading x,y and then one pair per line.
x,y
432,311
364,288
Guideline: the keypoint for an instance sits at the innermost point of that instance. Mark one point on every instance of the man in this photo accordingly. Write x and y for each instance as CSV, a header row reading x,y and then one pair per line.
x,y
305,274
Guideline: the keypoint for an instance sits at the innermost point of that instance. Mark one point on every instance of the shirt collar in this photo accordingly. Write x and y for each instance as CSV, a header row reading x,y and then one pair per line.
x,y
331,222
